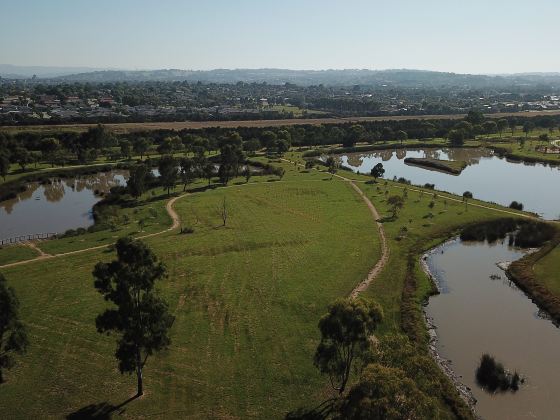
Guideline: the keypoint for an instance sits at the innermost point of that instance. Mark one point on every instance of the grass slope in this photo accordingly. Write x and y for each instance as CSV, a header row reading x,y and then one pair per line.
x,y
548,271
247,298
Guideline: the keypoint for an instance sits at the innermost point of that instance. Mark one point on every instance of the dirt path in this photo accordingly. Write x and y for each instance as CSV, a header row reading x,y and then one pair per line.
x,y
33,246
374,272
176,221
380,264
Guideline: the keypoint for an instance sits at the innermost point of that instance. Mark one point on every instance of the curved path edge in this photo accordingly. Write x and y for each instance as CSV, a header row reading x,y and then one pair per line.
x,y
176,221
384,258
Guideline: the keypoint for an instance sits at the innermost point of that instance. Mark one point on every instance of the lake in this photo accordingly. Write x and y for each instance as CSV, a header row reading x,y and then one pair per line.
x,y
475,314
488,177
56,207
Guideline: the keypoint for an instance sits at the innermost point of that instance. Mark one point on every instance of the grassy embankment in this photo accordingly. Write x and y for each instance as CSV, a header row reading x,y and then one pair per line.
x,y
247,298
537,274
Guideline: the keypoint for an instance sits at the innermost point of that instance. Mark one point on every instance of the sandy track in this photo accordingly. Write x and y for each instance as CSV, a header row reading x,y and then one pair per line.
x,y
380,264
374,272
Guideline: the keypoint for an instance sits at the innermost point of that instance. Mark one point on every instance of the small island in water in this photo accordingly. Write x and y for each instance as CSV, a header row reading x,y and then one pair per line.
x,y
453,167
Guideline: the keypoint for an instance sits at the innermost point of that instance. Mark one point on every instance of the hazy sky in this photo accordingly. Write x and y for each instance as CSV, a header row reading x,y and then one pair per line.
x,y
474,36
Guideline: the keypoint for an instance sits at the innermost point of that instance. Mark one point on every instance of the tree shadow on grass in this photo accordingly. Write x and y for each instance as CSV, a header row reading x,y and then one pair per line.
x,y
99,411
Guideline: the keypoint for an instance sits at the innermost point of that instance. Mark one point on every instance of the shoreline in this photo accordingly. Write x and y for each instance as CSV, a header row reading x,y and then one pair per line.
x,y
443,363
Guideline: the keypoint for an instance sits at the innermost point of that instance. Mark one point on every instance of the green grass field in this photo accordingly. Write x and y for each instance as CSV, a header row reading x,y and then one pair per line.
x,y
13,253
547,270
247,298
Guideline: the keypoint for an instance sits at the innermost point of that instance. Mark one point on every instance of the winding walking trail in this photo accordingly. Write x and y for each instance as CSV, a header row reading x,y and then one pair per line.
x,y
380,264
176,221
374,272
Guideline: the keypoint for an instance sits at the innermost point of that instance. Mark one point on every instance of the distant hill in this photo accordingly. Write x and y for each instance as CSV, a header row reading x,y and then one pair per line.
x,y
396,78
281,76
11,71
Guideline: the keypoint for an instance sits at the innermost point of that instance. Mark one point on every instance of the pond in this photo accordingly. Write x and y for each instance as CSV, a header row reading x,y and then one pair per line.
x,y
480,311
56,207
488,177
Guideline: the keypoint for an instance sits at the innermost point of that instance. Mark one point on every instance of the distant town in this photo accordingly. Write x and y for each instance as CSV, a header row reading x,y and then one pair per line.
x,y
61,100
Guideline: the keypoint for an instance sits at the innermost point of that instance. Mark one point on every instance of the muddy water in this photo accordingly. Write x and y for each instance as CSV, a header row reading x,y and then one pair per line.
x,y
489,177
475,314
53,208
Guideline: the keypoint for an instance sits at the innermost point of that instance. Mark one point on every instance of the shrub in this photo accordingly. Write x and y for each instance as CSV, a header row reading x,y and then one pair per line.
x,y
516,206
186,230
492,376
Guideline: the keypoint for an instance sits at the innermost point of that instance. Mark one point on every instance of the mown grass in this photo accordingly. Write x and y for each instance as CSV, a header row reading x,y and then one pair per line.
x,y
247,298
14,253
425,227
150,208
547,270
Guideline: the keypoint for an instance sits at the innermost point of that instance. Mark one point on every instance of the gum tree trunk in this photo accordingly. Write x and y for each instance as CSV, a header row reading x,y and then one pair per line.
x,y
139,373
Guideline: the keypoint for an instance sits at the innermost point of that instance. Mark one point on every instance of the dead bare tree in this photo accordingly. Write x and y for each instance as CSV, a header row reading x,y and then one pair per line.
x,y
224,211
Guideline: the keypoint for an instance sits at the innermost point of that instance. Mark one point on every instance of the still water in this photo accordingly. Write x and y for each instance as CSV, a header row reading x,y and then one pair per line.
x,y
488,177
475,314
53,208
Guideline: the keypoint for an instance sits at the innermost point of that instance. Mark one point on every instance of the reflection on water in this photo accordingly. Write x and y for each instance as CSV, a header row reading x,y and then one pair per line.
x,y
57,206
489,177
475,314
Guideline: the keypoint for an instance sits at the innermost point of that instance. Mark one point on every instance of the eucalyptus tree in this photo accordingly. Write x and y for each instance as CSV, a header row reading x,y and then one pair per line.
x,y
140,317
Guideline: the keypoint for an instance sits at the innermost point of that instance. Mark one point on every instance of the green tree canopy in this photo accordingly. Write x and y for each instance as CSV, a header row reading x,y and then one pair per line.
x,y
378,171
385,393
168,172
13,336
140,317
138,181
346,332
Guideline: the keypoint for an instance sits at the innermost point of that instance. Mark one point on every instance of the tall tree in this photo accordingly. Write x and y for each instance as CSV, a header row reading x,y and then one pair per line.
x,y
331,165
22,157
378,171
187,171
208,171
138,180
512,125
4,163
456,137
502,124
13,336
141,318
231,157
402,136
168,172
475,117
49,147
396,202
141,146
126,148
489,127
528,127
345,338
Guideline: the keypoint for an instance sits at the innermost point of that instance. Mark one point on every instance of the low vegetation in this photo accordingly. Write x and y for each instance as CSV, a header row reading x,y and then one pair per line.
x,y
492,376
